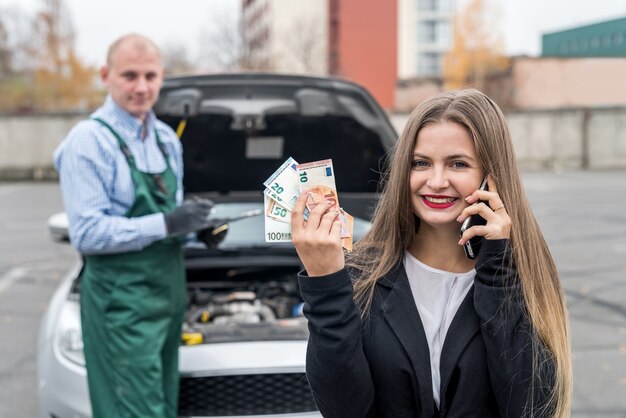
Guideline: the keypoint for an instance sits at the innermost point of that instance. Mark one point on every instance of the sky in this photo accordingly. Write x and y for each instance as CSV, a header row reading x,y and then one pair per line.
x,y
186,22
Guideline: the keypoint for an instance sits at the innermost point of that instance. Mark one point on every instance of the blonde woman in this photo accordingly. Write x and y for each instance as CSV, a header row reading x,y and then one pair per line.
x,y
409,326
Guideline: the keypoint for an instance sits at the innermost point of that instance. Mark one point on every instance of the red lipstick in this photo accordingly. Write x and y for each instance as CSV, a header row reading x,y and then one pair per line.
x,y
438,205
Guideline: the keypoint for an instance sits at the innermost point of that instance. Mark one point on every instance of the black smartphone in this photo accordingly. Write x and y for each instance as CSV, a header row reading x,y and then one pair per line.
x,y
472,246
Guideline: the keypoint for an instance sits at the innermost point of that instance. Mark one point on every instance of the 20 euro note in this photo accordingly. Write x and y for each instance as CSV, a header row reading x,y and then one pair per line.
x,y
318,178
282,185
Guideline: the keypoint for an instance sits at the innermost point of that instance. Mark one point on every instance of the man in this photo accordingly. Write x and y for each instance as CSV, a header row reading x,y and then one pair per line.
x,y
121,177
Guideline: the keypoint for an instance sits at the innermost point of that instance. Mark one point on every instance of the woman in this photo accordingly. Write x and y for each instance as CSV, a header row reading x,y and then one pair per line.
x,y
408,325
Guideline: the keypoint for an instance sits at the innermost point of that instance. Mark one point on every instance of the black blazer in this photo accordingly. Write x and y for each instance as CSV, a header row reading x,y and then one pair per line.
x,y
380,367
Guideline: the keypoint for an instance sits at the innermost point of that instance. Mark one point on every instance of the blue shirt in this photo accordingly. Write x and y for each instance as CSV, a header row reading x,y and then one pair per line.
x,y
97,186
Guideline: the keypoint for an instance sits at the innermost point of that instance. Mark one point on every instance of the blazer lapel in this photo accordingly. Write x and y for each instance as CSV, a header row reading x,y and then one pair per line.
x,y
462,329
401,314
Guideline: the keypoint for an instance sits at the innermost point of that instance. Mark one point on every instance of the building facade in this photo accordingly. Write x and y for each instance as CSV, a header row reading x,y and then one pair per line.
x,y
603,39
425,35
373,42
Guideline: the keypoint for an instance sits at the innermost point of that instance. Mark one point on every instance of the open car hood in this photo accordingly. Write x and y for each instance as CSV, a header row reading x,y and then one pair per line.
x,y
241,127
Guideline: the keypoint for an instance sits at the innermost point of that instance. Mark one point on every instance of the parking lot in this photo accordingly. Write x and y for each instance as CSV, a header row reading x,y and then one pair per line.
x,y
581,213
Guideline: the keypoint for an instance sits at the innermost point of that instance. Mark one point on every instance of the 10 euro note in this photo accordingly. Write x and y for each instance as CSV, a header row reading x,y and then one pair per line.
x,y
318,179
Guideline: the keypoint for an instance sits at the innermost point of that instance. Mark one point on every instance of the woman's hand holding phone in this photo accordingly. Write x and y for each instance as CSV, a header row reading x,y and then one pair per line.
x,y
497,223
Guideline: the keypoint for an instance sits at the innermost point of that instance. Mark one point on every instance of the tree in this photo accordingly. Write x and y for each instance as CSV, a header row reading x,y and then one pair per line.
x,y
176,60
226,47
61,80
303,47
44,72
478,47
16,91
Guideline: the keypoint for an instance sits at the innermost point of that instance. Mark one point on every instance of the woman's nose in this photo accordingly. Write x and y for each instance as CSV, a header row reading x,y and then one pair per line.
x,y
438,180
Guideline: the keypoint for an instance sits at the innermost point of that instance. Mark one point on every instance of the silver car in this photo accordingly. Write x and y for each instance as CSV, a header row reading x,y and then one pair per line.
x,y
244,338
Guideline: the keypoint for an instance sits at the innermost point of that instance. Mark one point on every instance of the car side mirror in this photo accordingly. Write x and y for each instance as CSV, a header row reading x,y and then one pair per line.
x,y
58,227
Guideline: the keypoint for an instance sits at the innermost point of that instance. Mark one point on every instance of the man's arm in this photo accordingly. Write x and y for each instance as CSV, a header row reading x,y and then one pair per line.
x,y
86,163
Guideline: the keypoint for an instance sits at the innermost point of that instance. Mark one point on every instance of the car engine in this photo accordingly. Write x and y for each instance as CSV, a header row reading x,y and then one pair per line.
x,y
243,307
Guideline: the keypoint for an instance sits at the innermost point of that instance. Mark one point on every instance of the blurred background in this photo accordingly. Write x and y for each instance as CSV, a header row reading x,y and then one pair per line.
x,y
557,68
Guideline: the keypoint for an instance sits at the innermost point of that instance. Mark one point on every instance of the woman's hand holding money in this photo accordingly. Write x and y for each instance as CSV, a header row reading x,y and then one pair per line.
x,y
317,240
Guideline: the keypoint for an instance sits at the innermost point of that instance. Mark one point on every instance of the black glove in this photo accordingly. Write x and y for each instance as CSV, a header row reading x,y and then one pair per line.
x,y
191,216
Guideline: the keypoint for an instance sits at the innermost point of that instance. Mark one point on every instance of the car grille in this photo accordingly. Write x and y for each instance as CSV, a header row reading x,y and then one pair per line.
x,y
252,394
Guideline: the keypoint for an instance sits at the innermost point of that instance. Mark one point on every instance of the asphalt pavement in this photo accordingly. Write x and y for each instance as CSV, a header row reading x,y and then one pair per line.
x,y
582,215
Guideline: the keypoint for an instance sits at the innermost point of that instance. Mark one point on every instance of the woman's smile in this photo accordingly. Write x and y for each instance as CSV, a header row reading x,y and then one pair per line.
x,y
438,201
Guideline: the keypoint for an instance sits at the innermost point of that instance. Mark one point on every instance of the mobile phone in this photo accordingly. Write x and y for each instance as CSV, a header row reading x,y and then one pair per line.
x,y
472,246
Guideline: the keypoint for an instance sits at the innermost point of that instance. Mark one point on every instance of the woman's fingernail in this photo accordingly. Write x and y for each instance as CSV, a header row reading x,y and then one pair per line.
x,y
461,241
459,219
469,199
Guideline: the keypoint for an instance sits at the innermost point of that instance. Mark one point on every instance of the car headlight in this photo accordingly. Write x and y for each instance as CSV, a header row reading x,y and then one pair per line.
x,y
68,337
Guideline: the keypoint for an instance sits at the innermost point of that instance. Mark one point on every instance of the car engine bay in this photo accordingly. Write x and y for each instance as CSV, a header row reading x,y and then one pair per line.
x,y
243,304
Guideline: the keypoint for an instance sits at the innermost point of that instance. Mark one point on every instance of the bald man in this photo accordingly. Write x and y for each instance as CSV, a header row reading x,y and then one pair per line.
x,y
121,178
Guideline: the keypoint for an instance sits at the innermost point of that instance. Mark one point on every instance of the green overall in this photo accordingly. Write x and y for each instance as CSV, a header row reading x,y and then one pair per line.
x,y
132,307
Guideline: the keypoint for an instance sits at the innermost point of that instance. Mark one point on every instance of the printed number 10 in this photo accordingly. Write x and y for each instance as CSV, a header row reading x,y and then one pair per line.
x,y
303,177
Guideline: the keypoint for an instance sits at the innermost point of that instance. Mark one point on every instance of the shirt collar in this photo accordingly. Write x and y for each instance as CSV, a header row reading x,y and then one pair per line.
x,y
122,120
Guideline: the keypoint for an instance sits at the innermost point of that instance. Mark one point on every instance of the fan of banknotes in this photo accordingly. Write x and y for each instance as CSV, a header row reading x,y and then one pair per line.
x,y
283,188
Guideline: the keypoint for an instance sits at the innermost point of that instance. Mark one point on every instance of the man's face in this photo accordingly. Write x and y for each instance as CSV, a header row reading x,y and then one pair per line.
x,y
134,78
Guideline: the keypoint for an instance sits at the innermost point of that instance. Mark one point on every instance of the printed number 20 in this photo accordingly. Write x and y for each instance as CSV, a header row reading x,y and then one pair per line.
x,y
276,187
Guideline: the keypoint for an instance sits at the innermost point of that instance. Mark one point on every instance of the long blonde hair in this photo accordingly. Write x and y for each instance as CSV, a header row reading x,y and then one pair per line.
x,y
394,226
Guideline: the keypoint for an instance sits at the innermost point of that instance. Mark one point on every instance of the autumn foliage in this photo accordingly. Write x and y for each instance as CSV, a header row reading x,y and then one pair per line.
x,y
52,78
478,48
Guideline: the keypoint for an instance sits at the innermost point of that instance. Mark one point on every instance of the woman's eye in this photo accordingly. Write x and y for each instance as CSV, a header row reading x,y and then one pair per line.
x,y
419,163
459,164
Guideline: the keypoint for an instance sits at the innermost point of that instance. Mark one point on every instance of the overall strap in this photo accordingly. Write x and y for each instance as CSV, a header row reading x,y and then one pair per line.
x,y
125,150
129,155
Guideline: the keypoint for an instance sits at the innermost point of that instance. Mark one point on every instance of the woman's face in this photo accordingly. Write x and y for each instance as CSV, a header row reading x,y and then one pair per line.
x,y
444,171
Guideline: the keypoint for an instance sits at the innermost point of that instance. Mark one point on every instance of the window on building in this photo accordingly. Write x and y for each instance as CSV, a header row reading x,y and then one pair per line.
x,y
434,5
606,41
429,64
618,38
584,43
444,34
427,31
427,5
595,42
435,32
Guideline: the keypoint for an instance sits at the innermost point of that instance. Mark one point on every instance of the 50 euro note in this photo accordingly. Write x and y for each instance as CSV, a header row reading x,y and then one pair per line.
x,y
275,231
275,211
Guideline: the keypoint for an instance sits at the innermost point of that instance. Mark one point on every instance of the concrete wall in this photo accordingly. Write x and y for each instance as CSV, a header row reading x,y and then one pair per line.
x,y
542,83
551,139
27,144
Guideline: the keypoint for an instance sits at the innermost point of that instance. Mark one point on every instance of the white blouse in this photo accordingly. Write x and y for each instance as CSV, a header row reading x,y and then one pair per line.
x,y
438,295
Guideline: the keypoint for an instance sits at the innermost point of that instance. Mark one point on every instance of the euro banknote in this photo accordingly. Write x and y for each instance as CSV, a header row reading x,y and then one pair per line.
x,y
284,186
318,178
